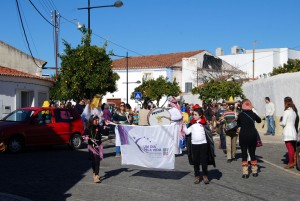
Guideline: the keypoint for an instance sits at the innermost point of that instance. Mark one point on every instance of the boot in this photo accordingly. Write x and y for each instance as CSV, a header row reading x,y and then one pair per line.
x,y
197,180
254,168
97,179
245,170
205,179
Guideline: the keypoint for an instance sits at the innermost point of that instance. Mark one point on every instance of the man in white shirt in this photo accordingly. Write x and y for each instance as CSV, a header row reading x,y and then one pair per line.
x,y
270,110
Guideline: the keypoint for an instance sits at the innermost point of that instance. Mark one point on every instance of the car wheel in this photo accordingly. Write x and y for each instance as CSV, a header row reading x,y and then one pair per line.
x,y
76,141
15,144
298,157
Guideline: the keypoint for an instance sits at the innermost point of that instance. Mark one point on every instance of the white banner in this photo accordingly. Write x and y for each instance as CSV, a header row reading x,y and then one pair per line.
x,y
148,146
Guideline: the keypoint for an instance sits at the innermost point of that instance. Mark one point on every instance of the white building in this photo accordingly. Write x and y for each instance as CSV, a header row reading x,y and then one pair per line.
x,y
264,59
20,80
182,65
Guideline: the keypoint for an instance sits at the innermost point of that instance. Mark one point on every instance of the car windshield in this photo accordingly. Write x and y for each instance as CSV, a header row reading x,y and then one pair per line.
x,y
19,115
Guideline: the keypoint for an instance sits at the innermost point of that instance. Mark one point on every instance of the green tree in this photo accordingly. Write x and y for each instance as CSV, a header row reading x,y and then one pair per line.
x,y
292,65
215,90
155,89
85,71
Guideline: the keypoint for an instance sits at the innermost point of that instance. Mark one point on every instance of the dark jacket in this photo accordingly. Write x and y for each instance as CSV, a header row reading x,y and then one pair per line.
x,y
94,134
210,146
248,133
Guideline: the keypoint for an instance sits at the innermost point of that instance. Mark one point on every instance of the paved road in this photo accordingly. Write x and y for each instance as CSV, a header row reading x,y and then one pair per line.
x,y
62,174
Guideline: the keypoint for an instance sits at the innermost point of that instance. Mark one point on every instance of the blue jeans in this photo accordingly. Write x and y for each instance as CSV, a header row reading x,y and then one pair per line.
x,y
118,150
271,125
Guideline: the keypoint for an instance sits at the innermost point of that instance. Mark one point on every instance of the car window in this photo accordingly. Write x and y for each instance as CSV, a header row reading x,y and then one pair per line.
x,y
19,115
63,116
44,117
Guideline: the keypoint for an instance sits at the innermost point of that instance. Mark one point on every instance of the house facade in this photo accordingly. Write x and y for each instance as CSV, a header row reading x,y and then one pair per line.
x,y
182,66
19,89
264,59
20,79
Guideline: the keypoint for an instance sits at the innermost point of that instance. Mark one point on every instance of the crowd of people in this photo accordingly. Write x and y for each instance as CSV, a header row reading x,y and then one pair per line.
x,y
232,121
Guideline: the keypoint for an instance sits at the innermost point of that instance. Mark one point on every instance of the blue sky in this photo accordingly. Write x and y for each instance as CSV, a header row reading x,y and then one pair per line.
x,y
154,27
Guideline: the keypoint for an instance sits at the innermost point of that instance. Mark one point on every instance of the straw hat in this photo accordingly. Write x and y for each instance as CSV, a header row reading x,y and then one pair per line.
x,y
230,101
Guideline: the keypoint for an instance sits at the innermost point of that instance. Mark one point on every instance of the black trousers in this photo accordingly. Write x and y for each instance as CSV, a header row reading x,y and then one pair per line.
x,y
200,156
95,163
251,150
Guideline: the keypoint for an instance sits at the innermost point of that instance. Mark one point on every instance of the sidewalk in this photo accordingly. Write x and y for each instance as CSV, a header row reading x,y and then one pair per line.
x,y
276,139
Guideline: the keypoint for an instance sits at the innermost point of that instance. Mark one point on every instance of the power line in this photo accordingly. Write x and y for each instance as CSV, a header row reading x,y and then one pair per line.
x,y
25,20
40,13
44,6
129,50
17,3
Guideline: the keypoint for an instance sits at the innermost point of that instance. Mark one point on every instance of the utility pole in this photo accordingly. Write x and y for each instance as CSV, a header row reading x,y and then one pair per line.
x,y
253,59
56,30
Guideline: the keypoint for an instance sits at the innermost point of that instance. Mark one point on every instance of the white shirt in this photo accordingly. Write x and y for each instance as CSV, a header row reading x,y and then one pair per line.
x,y
270,109
176,115
198,133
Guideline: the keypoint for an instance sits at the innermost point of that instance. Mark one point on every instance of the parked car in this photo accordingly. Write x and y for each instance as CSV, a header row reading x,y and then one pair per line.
x,y
32,126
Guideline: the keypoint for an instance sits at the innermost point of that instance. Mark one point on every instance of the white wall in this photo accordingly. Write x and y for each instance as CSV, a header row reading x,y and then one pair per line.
x,y
276,87
13,58
265,60
10,94
133,76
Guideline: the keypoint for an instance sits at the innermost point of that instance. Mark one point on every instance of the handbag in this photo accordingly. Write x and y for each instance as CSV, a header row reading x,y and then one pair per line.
x,y
231,126
258,139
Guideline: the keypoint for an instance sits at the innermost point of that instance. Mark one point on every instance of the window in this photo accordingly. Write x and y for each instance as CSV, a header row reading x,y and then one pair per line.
x,y
44,117
26,98
188,87
147,75
63,115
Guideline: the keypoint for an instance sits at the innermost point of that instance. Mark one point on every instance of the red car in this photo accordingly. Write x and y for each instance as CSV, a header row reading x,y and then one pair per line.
x,y
41,126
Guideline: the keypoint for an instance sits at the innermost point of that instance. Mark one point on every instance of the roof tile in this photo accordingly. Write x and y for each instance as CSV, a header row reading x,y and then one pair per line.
x,y
15,73
153,61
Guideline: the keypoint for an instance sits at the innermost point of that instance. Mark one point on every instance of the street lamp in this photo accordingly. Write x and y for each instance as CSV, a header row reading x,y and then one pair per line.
x,y
117,4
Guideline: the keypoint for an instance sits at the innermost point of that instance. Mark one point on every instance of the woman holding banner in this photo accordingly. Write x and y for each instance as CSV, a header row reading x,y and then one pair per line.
x,y
176,118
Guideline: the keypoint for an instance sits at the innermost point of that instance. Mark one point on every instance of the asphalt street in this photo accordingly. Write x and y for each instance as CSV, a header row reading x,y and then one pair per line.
x,y
59,173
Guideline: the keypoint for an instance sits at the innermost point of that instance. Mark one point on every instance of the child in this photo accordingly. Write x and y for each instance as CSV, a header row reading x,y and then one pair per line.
x,y
199,147
95,145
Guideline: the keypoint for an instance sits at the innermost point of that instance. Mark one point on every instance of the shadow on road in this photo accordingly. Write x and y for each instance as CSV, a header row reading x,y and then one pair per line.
x,y
175,175
43,174
214,174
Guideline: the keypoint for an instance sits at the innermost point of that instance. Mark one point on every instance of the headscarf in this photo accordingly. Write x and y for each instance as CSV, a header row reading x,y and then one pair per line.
x,y
173,103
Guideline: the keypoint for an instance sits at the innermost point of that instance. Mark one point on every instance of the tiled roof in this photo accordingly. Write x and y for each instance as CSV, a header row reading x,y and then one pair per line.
x,y
153,61
4,71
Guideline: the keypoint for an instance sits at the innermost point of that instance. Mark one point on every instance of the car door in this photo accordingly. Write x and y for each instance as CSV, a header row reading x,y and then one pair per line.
x,y
63,124
40,131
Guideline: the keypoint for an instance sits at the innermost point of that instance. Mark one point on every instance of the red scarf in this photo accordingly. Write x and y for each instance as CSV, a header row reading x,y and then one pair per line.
x,y
202,121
